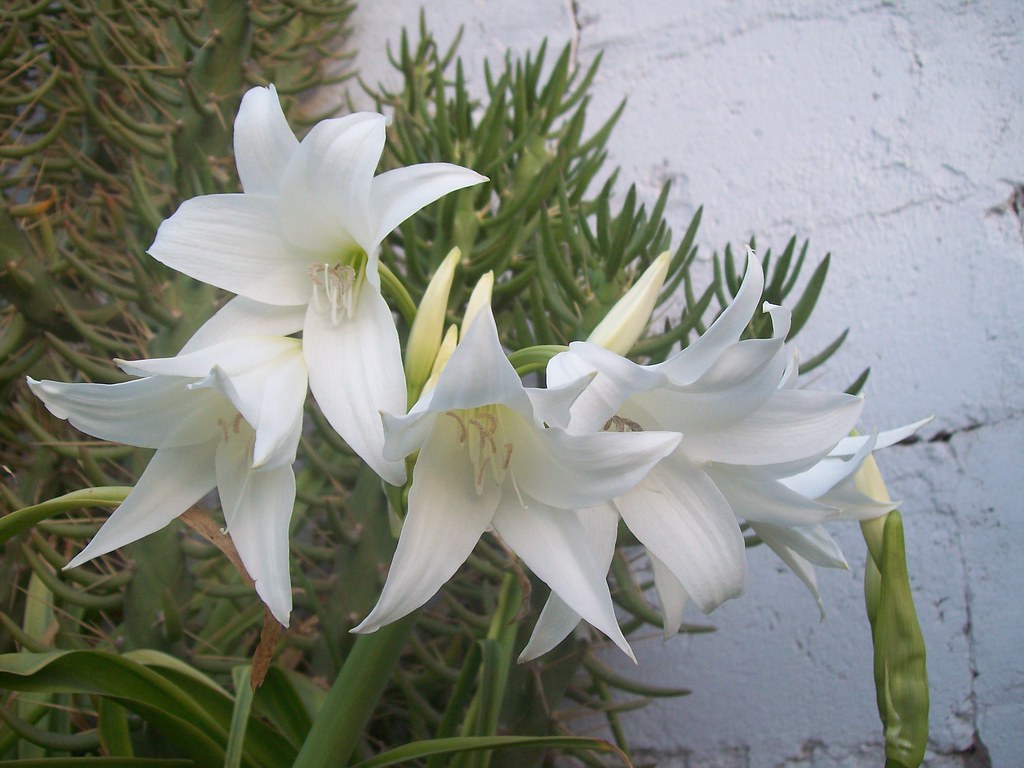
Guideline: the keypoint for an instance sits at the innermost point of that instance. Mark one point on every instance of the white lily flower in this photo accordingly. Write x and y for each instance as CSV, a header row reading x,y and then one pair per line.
x,y
741,435
487,460
304,237
225,416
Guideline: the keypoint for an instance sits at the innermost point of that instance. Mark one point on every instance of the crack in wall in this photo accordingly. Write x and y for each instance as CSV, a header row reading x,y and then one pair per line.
x,y
947,435
976,754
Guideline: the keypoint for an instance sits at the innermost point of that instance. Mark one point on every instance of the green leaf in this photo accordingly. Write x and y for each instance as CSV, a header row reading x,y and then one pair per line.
x,y
240,676
102,762
18,521
458,700
137,688
263,745
112,725
819,359
451,746
805,305
278,701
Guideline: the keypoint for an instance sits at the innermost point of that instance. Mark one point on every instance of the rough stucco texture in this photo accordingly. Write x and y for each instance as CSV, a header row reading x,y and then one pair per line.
x,y
892,135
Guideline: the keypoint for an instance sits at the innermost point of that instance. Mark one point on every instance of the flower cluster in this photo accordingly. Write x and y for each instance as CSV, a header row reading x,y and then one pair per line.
x,y
683,453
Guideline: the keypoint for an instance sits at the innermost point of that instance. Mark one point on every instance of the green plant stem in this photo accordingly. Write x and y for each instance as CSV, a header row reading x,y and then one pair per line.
x,y
352,698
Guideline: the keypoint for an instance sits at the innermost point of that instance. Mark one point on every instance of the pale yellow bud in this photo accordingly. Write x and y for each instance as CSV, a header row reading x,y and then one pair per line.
x,y
626,321
868,481
448,344
480,298
425,334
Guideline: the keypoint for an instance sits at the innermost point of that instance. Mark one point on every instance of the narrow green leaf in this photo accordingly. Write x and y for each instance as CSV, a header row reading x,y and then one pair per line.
x,y
825,354
194,730
102,762
239,716
858,383
17,521
280,704
805,305
115,736
458,700
454,745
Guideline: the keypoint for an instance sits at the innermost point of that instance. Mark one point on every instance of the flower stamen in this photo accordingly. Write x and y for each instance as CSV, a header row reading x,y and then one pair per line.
x,y
487,448
621,424
339,283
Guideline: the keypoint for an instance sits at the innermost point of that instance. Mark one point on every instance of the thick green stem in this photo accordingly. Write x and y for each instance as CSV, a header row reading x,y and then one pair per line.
x,y
347,709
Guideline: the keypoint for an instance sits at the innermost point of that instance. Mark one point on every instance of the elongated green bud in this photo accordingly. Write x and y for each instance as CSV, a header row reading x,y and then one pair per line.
x,y
627,319
901,675
425,334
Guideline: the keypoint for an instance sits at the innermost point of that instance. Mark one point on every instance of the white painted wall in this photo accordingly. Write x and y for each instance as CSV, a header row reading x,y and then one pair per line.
x,y
890,134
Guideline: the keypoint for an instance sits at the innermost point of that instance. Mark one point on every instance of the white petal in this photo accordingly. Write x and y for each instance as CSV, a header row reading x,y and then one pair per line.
x,y
683,520
557,620
576,471
150,413
264,379
258,507
756,495
854,505
175,479
325,192
263,141
279,424
791,426
234,242
548,541
245,317
850,445
829,472
554,624
552,404
671,595
234,357
812,543
693,361
355,374
478,374
404,435
446,519
398,194
803,569
745,376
